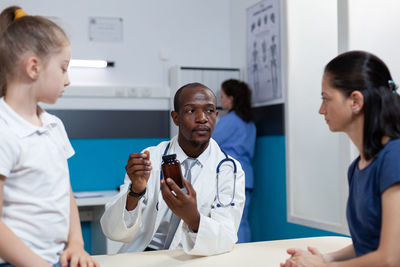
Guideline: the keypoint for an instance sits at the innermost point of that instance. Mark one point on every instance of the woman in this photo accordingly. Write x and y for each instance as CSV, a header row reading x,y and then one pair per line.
x,y
359,98
235,133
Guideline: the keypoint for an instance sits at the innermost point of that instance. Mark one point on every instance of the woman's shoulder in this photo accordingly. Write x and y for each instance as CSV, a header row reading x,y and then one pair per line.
x,y
390,152
393,146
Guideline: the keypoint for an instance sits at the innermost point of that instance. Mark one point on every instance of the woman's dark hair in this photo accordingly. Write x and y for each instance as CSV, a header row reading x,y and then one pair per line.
x,y
365,72
241,94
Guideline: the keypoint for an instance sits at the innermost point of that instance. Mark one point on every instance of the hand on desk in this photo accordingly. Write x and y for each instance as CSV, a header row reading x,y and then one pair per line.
x,y
303,258
183,205
75,255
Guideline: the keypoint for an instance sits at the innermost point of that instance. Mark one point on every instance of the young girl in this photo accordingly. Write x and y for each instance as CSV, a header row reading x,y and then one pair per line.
x,y
39,223
359,98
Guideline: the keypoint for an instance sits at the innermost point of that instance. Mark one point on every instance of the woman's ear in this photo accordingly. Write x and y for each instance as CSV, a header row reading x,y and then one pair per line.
x,y
32,67
357,101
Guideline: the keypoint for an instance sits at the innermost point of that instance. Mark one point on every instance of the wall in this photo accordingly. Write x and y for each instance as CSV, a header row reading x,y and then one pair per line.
x,y
317,159
238,15
374,26
99,164
181,29
267,213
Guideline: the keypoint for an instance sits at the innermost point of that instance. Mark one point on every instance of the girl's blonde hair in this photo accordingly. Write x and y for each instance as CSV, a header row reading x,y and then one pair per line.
x,y
19,35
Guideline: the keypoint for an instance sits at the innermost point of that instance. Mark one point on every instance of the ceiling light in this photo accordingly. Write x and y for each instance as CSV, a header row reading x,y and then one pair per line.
x,y
81,63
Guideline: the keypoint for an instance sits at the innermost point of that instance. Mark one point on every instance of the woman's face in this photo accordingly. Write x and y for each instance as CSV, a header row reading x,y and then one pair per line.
x,y
335,107
226,101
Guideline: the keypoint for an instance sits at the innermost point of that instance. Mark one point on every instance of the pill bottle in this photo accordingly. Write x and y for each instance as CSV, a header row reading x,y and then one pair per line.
x,y
171,168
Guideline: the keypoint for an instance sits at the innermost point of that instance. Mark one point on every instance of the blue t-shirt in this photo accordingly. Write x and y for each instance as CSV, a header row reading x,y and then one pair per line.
x,y
366,186
237,138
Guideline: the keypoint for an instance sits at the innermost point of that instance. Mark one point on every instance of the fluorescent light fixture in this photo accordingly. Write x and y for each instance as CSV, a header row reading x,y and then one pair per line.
x,y
81,63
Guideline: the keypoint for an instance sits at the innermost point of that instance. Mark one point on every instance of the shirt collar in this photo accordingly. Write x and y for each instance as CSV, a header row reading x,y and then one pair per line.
x,y
20,126
181,155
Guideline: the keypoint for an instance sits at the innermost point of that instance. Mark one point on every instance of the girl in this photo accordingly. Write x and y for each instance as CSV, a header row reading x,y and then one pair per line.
x,y
39,223
359,98
235,133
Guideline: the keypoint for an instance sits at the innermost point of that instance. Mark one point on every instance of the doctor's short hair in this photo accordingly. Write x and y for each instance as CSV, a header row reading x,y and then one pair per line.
x,y
189,85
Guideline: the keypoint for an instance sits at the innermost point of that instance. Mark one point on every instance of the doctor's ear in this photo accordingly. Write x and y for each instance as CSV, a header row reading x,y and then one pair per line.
x,y
175,117
357,101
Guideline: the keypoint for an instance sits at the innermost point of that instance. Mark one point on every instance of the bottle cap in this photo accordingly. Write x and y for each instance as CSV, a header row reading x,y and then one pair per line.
x,y
169,158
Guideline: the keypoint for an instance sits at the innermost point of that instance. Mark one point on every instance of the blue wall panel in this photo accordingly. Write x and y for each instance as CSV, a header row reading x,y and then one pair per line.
x,y
267,213
99,164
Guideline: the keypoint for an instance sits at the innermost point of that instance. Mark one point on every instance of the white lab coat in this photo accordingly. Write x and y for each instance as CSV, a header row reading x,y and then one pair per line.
x,y
218,227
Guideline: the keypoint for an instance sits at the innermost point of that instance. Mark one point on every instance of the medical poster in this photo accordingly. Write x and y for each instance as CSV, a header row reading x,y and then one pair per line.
x,y
264,51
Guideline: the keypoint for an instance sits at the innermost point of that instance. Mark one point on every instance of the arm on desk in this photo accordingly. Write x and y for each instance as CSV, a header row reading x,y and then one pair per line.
x,y
117,223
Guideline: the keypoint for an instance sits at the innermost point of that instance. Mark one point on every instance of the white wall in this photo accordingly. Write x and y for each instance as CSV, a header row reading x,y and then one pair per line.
x,y
316,167
374,26
191,32
238,32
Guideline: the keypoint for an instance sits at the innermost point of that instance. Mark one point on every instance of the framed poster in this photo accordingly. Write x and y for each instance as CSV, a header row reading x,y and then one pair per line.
x,y
264,51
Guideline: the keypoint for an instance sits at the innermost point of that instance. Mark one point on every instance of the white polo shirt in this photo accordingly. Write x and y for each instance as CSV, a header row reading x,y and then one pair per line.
x,y
36,198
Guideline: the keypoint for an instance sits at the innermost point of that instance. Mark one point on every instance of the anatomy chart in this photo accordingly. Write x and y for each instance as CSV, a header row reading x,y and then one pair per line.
x,y
264,51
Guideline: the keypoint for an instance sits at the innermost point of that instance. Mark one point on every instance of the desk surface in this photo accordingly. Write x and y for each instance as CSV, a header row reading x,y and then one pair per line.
x,y
94,198
269,253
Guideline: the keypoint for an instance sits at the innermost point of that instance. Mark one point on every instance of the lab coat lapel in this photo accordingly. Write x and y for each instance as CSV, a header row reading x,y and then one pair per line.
x,y
205,184
162,206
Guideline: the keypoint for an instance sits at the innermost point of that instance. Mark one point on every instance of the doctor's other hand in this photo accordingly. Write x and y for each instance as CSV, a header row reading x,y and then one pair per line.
x,y
182,204
138,169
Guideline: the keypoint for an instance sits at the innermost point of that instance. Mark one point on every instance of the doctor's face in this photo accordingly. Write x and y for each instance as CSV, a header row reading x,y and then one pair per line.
x,y
197,115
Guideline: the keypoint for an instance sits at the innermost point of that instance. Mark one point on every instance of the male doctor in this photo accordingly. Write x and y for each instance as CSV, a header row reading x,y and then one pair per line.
x,y
153,214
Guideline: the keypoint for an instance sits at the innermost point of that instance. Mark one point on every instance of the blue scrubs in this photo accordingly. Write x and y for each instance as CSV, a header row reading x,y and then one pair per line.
x,y
237,138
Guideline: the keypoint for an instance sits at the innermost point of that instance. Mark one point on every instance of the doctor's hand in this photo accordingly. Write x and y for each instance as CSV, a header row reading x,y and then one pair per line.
x,y
138,169
183,205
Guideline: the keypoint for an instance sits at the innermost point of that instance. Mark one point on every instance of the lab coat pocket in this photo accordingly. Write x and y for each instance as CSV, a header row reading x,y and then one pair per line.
x,y
205,203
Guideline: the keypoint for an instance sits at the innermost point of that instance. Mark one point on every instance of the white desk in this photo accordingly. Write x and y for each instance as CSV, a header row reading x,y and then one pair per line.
x,y
269,253
91,208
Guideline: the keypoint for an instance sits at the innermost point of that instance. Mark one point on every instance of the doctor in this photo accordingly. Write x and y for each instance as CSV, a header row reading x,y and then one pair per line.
x,y
147,215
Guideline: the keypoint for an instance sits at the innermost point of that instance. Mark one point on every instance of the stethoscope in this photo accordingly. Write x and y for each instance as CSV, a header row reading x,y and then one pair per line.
x,y
226,159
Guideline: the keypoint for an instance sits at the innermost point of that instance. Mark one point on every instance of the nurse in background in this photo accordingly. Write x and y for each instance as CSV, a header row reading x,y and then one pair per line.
x,y
235,133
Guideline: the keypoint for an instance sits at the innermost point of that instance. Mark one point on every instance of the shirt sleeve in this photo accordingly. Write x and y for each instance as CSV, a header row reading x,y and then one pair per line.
x,y
117,223
9,154
389,173
67,147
